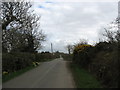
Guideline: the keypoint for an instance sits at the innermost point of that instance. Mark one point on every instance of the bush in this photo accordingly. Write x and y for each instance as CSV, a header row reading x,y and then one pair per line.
x,y
12,62
105,67
81,55
101,60
15,61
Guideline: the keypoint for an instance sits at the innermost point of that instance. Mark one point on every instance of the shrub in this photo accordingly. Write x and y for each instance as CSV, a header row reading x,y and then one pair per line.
x,y
102,60
81,55
105,67
12,62
15,61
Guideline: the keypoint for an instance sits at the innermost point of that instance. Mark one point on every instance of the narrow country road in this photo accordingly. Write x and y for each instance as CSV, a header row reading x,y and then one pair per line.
x,y
52,74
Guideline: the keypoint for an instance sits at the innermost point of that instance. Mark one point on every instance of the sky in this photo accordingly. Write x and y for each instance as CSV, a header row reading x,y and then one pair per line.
x,y
66,22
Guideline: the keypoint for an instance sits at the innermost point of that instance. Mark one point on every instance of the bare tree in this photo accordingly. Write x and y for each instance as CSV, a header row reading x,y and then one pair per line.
x,y
118,31
117,36
82,42
110,35
69,48
20,27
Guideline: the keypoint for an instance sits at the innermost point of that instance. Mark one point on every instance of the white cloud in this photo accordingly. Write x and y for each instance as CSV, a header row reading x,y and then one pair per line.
x,y
67,22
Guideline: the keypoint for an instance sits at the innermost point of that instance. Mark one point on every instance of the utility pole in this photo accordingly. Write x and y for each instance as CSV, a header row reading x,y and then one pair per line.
x,y
51,48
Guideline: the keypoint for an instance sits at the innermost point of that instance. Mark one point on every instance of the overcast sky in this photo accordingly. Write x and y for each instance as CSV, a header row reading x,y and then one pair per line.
x,y
67,22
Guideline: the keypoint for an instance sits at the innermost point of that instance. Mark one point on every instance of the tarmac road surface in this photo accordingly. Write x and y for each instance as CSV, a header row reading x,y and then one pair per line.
x,y
52,74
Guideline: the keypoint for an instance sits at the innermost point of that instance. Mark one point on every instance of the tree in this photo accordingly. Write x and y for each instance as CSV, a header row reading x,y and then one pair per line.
x,y
20,27
118,31
110,35
112,32
82,42
69,48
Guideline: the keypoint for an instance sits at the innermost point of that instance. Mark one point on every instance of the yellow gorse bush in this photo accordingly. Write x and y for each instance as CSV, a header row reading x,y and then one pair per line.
x,y
79,48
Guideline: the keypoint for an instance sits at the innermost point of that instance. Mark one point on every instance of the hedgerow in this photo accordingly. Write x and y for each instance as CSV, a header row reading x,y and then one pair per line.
x,y
81,55
101,60
12,62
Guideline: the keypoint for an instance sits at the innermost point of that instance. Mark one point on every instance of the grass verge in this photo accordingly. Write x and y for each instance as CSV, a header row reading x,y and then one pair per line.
x,y
15,74
83,79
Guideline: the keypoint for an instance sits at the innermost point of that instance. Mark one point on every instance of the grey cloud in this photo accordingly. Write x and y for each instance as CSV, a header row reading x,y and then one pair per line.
x,y
68,22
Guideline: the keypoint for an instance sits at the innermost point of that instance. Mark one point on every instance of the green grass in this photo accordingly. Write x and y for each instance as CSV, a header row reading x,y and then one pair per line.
x,y
15,74
83,79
